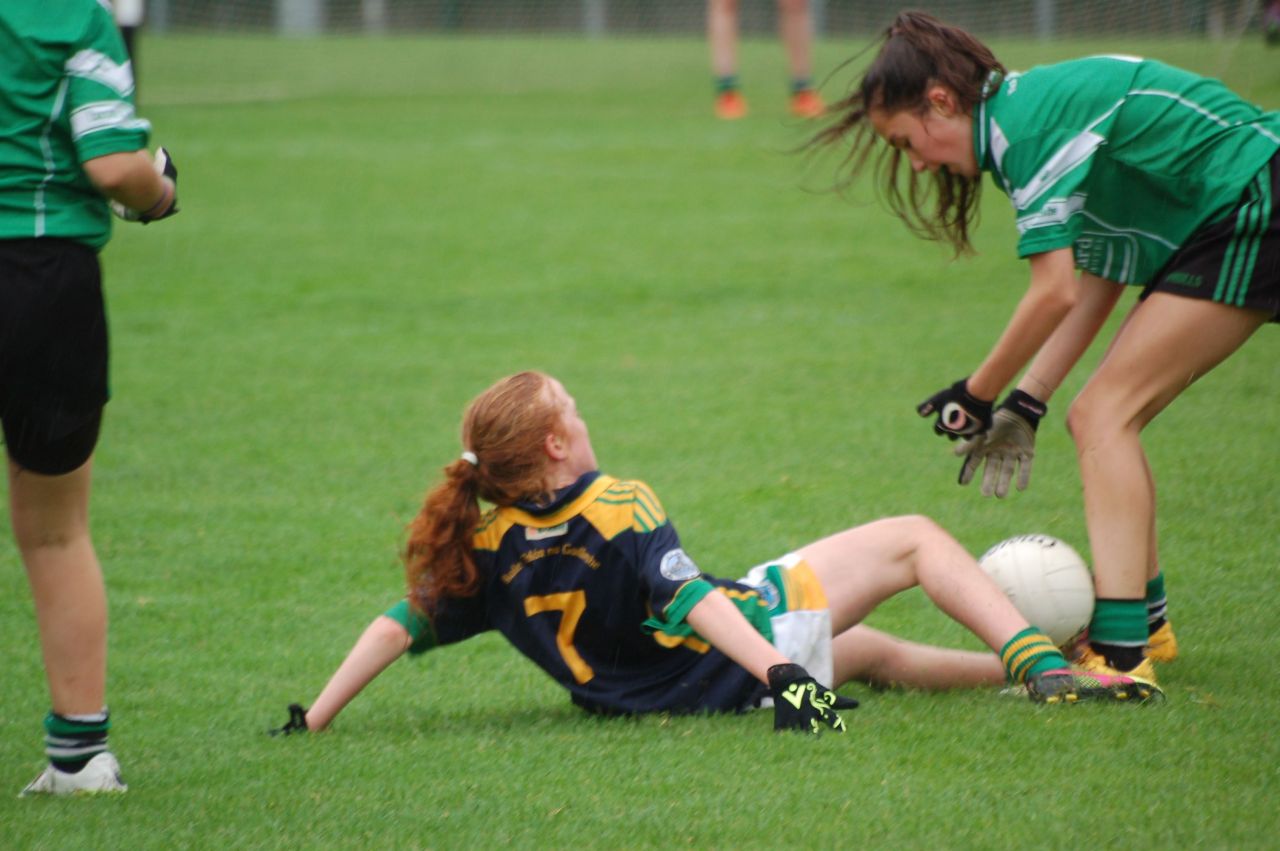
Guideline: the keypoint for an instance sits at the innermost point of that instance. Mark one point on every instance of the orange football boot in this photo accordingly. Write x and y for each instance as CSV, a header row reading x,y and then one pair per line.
x,y
806,103
731,105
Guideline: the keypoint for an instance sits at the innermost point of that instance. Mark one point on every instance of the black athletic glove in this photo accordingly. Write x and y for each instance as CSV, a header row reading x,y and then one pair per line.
x,y
164,165
800,703
168,172
959,414
297,722
1008,446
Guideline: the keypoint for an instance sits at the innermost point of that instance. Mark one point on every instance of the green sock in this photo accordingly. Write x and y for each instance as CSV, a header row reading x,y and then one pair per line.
x,y
1119,622
70,741
727,83
1119,631
1157,603
1028,653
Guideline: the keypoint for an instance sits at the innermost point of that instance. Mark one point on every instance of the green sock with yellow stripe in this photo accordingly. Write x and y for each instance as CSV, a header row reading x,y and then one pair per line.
x,y
1028,653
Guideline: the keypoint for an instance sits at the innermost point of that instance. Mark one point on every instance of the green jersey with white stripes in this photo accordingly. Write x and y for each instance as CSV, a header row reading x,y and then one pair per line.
x,y
66,96
1120,159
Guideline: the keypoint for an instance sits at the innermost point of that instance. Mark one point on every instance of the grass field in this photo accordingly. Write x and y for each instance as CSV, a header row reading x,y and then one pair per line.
x,y
373,231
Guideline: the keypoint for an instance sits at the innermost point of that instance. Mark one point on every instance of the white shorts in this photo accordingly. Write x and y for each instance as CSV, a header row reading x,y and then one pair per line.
x,y
798,614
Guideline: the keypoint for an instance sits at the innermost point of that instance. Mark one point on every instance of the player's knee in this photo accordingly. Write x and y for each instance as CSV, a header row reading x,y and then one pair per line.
x,y
886,661
920,527
913,531
1074,420
1087,421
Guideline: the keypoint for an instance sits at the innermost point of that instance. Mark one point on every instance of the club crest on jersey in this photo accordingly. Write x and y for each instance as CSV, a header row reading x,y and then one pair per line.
x,y
532,534
677,566
769,594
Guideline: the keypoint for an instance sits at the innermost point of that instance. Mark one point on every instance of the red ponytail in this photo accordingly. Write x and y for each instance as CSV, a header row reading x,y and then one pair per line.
x,y
505,428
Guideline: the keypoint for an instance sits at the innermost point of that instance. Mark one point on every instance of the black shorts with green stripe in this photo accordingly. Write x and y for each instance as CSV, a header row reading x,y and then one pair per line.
x,y
1235,260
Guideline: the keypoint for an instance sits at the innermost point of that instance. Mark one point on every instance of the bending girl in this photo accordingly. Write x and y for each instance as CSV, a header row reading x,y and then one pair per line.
x,y
1121,171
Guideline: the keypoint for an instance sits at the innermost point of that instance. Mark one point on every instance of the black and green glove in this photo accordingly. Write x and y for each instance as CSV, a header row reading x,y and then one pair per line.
x,y
801,703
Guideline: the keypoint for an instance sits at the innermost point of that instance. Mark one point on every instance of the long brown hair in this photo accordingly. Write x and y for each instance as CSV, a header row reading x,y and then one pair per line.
x,y
504,428
918,51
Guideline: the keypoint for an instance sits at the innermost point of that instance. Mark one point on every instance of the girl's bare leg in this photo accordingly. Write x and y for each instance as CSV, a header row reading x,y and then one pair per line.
x,y
861,567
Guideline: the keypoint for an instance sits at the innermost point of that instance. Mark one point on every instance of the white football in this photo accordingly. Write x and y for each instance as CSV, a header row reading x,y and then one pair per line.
x,y
1047,581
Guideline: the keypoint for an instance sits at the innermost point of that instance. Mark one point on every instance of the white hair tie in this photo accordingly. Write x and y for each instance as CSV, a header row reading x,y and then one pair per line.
x,y
470,458
992,84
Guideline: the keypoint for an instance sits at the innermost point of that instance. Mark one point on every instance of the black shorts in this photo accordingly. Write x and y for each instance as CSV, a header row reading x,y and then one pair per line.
x,y
1235,260
53,352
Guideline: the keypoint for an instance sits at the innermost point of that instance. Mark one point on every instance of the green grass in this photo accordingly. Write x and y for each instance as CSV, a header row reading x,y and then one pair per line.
x,y
372,231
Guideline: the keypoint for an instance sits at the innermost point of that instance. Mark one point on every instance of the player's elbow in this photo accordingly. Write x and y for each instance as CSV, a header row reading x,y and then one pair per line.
x,y
1055,288
1059,301
114,174
389,633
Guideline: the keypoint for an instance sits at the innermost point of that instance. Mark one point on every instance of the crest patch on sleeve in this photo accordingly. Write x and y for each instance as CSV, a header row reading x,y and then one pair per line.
x,y
677,566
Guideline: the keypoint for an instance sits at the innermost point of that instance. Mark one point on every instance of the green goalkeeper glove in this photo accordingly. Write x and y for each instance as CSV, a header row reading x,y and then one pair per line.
x,y
800,703
297,722
1008,446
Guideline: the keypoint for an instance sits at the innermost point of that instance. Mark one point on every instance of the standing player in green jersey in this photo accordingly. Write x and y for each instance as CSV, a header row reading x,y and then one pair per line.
x,y
1121,172
70,145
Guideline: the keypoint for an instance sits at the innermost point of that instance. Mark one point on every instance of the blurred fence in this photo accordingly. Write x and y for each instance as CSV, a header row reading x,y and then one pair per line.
x,y
1043,18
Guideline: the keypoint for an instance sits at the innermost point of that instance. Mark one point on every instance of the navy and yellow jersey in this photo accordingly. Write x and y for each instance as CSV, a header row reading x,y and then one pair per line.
x,y
594,589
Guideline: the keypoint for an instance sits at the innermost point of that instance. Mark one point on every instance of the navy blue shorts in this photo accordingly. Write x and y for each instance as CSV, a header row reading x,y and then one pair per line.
x,y
1235,260
53,352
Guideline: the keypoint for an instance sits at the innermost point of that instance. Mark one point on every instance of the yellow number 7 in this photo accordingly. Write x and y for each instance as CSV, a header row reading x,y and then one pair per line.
x,y
570,604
